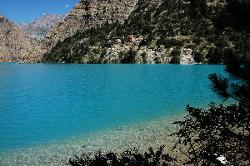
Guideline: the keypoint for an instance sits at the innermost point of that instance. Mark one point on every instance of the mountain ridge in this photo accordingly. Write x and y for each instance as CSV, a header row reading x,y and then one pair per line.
x,y
88,14
174,31
14,43
38,28
144,31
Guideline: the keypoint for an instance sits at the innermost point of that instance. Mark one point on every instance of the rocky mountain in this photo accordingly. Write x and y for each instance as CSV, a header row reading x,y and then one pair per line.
x,y
86,14
151,31
14,43
136,31
39,28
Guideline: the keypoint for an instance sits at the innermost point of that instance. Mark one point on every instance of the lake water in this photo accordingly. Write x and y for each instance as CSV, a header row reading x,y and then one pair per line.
x,y
42,103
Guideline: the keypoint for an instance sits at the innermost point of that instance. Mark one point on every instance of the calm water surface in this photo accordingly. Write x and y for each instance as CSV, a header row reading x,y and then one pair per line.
x,y
44,103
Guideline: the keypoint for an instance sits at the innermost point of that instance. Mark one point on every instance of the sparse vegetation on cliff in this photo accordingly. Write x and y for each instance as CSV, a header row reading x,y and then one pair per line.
x,y
205,27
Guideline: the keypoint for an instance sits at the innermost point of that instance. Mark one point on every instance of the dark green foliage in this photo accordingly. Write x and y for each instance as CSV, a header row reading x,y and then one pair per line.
x,y
175,54
129,57
143,55
198,57
131,158
218,130
140,20
75,48
221,130
157,60
220,84
198,8
215,55
235,14
173,42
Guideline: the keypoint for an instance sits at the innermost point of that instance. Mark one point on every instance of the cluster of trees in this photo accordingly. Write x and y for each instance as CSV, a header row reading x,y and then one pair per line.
x,y
175,54
128,57
76,49
221,130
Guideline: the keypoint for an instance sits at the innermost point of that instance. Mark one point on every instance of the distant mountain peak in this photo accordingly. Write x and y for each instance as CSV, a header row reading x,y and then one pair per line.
x,y
39,27
86,14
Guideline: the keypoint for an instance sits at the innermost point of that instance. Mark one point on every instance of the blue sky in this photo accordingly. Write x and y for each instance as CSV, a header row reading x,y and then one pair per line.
x,y
22,11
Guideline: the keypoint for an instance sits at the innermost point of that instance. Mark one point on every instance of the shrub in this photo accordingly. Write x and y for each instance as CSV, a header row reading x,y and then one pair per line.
x,y
129,57
175,54
198,57
221,131
144,57
215,55
157,60
130,157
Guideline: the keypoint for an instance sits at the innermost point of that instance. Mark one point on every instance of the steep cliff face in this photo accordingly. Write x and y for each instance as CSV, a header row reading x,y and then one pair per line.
x,y
150,34
14,43
139,31
39,28
160,31
86,14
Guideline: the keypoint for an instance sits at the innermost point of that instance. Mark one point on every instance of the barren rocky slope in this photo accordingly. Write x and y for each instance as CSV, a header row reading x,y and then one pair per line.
x,y
39,28
86,14
14,43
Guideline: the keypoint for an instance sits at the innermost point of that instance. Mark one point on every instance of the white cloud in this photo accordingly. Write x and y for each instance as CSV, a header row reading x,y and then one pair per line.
x,y
66,6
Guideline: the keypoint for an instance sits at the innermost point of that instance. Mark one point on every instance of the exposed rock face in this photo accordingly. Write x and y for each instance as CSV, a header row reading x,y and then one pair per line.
x,y
186,56
172,31
14,43
143,31
39,28
86,14
149,20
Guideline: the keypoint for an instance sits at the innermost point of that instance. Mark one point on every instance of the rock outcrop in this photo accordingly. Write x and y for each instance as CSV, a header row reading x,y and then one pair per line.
x,y
186,56
86,14
146,34
39,28
14,43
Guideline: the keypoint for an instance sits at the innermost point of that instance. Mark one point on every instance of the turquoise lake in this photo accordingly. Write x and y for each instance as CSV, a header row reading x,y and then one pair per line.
x,y
43,103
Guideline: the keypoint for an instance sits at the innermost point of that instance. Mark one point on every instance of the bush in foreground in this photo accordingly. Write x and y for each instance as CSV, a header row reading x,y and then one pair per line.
x,y
220,135
131,158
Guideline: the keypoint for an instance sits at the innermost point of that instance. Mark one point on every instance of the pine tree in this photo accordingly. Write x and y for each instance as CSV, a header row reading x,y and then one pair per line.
x,y
221,130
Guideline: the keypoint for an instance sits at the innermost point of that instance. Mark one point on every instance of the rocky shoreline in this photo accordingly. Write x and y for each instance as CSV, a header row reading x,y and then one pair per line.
x,y
144,135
